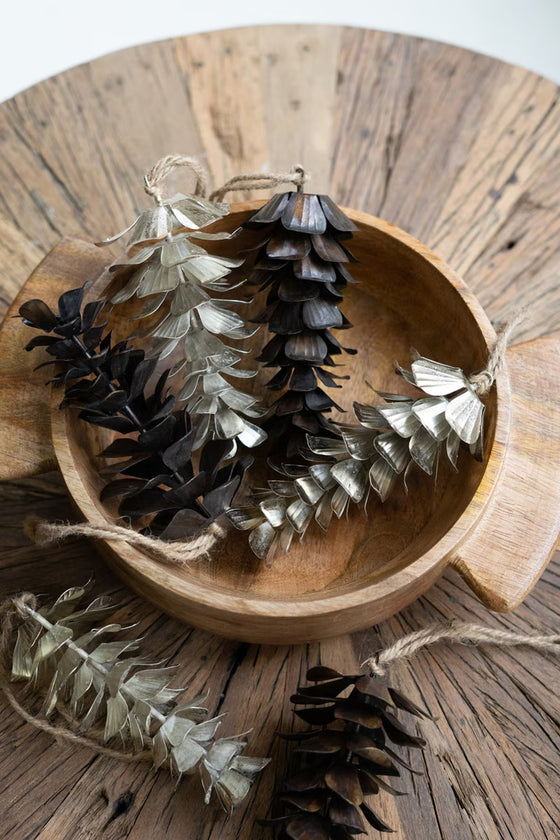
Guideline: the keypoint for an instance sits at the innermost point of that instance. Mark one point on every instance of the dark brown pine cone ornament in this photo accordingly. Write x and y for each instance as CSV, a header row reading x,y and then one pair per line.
x,y
302,264
346,756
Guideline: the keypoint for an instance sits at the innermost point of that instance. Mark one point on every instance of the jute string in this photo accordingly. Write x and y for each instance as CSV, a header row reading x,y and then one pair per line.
x,y
261,181
484,379
461,633
174,553
10,611
160,170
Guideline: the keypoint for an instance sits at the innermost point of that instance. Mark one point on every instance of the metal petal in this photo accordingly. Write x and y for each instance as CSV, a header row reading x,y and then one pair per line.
x,y
283,488
262,539
186,755
322,475
399,416
217,319
339,501
308,489
335,216
369,417
452,445
303,213
431,412
437,379
464,414
352,477
300,515
382,478
286,537
424,450
394,449
324,512
227,424
251,435
319,314
274,509
326,446
359,442
245,518
194,212
207,269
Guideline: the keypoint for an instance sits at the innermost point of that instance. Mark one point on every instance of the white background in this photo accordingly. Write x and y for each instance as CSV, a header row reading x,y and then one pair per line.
x,y
41,37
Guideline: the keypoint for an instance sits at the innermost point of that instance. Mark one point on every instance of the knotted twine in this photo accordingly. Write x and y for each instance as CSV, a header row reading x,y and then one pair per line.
x,y
160,170
459,632
484,379
177,553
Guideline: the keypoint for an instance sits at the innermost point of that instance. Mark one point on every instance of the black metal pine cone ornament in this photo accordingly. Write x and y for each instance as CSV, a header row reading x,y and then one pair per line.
x,y
302,264
346,755
153,474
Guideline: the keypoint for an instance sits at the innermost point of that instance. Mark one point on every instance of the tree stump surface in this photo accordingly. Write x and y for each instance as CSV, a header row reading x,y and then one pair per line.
x,y
460,150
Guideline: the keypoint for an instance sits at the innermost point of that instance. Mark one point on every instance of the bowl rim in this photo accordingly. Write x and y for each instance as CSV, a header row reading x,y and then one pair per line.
x,y
321,603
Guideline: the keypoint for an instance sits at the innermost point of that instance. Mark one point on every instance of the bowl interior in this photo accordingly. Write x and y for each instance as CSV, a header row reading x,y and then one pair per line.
x,y
404,298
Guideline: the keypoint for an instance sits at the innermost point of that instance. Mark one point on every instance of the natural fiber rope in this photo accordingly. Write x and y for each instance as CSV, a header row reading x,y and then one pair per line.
x,y
173,553
261,181
458,633
160,170
484,380
10,610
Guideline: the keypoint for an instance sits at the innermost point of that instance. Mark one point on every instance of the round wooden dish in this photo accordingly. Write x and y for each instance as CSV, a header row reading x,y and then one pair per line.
x,y
497,533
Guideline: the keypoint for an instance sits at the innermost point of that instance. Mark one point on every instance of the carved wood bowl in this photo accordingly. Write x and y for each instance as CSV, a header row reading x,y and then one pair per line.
x,y
495,521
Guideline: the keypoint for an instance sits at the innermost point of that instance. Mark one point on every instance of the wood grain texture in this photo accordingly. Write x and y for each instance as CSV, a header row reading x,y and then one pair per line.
x,y
460,150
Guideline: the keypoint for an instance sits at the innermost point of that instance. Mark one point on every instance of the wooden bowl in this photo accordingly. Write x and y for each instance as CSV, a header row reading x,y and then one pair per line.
x,y
495,521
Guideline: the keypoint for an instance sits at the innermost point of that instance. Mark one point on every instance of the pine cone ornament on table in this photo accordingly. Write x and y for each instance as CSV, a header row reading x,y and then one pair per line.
x,y
110,383
302,264
95,679
389,441
178,279
346,756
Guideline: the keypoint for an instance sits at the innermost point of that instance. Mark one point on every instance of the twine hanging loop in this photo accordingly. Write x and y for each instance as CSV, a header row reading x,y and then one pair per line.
x,y
262,181
165,165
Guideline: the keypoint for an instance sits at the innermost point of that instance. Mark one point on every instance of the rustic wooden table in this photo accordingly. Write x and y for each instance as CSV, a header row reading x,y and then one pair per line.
x,y
457,148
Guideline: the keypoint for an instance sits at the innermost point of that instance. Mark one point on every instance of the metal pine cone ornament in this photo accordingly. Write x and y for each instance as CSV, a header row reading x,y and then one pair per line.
x,y
302,264
110,383
102,681
389,441
346,757
178,279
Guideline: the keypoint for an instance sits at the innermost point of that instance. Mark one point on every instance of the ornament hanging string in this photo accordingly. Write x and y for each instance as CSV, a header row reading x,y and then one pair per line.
x,y
457,632
160,170
172,553
484,379
262,181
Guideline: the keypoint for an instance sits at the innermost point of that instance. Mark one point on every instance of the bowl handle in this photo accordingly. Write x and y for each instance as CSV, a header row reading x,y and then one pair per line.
x,y
25,435
507,552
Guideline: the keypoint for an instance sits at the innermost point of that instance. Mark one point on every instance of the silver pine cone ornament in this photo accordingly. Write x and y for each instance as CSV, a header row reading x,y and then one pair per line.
x,y
98,680
390,439
177,280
